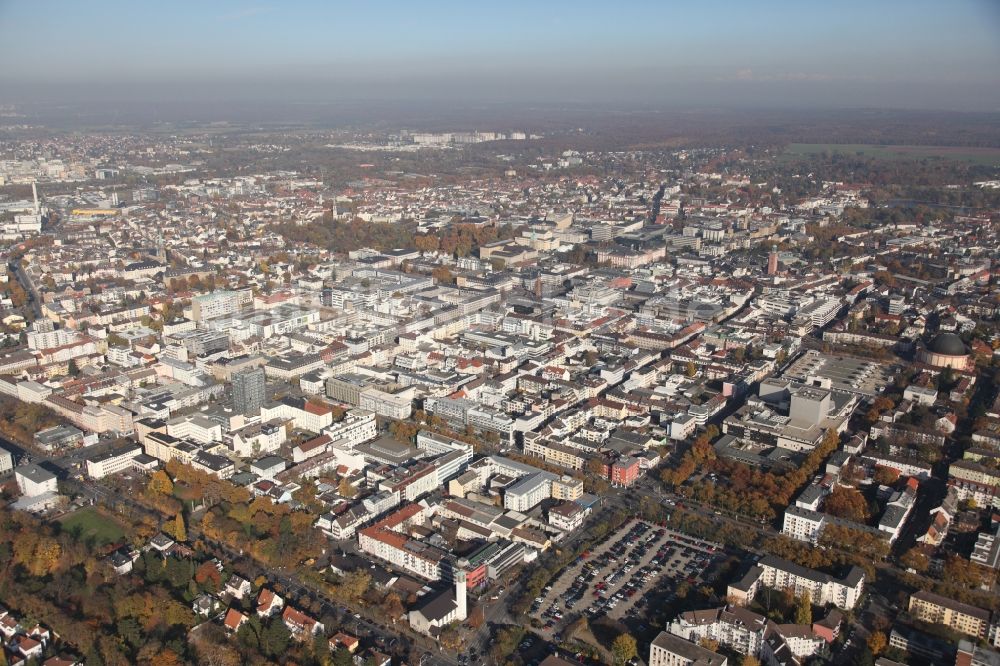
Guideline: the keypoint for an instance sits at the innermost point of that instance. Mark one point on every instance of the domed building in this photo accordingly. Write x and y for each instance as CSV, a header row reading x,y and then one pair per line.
x,y
946,351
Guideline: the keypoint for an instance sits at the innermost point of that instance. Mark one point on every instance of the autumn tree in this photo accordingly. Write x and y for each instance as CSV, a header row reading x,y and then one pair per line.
x,y
450,638
803,609
477,618
847,503
624,648
872,546
877,642
880,405
442,275
217,652
38,553
345,489
915,559
160,483
160,656
594,466
426,242
355,583
709,644
208,576
178,529
393,606
403,431
885,476
962,573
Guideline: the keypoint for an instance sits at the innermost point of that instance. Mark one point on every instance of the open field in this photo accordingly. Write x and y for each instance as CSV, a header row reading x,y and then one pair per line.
x,y
89,523
982,156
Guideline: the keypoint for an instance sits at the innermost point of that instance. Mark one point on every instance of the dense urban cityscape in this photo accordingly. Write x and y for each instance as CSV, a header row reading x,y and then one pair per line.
x,y
555,386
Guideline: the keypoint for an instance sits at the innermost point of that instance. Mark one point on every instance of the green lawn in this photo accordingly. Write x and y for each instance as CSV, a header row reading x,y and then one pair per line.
x,y
89,524
983,156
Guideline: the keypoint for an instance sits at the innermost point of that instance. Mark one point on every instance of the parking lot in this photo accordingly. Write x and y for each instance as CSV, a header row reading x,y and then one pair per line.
x,y
616,579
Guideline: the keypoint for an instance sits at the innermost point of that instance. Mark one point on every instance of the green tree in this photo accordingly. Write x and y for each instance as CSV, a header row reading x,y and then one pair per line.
x,y
115,340
342,657
178,572
321,649
130,631
274,638
248,635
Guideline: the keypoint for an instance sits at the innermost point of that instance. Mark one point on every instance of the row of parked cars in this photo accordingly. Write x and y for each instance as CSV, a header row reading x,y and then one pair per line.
x,y
628,553
685,560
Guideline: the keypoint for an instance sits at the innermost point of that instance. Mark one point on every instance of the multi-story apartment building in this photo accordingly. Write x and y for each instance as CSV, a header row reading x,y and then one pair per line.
x,y
215,304
736,628
777,573
567,488
955,615
165,447
257,438
386,541
357,426
554,452
411,483
822,588
624,472
288,367
567,516
975,481
462,412
669,650
529,491
214,464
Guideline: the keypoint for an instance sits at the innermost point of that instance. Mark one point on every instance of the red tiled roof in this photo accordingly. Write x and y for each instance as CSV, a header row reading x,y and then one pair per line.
x,y
297,618
264,600
234,619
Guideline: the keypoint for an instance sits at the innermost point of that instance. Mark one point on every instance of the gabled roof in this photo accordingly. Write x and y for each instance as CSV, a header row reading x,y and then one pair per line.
x,y
234,619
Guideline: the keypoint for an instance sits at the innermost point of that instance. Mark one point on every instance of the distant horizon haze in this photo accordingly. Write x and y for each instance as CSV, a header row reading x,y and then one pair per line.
x,y
771,54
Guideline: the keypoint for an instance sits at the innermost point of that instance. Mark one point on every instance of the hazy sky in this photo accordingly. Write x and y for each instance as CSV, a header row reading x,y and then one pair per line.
x,y
910,54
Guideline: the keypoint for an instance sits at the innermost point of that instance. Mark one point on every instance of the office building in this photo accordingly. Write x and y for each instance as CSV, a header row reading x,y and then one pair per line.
x,y
249,391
